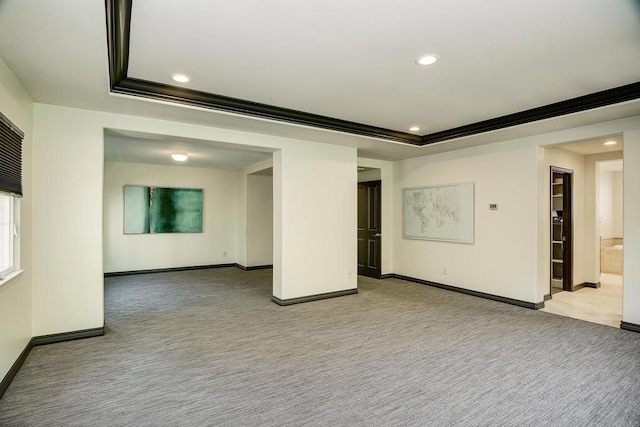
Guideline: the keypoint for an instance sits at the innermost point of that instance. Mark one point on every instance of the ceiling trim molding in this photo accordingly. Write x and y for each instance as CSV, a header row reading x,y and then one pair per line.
x,y
604,98
118,37
163,92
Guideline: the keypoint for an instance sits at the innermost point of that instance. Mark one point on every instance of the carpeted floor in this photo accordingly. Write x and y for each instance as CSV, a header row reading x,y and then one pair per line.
x,y
209,348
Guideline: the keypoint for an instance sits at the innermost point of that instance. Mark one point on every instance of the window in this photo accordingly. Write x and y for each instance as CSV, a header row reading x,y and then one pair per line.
x,y
7,234
10,190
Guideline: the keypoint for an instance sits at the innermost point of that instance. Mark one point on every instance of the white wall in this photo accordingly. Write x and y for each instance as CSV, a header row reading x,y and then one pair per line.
x,y
263,240
68,261
605,203
502,260
259,220
610,202
631,272
15,297
575,162
617,203
511,254
128,252
67,221
315,185
369,175
592,197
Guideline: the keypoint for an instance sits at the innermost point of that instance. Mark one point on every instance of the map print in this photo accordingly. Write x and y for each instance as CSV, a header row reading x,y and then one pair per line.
x,y
439,213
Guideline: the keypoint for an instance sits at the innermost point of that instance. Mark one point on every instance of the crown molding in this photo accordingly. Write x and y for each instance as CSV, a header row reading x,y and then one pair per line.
x,y
118,36
604,98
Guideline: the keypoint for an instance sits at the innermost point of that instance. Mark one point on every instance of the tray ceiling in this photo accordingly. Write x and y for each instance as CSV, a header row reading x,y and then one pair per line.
x,y
297,69
343,66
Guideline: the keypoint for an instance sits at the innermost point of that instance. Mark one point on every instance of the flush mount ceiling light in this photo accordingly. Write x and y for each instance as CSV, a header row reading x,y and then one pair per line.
x,y
427,59
180,78
414,128
180,157
610,142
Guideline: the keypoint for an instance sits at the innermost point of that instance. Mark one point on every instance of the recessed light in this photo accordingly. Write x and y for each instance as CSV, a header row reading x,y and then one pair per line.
x,y
180,78
414,128
610,143
180,157
427,59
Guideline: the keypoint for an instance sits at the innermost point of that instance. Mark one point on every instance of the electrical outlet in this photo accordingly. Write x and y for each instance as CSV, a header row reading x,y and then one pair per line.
x,y
224,254
445,271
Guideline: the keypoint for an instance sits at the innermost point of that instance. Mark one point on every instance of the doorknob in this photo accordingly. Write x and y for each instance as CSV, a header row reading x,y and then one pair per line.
x,y
378,235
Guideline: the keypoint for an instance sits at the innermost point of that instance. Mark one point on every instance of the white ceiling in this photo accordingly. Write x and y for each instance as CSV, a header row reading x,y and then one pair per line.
x,y
264,172
133,147
347,60
356,61
595,145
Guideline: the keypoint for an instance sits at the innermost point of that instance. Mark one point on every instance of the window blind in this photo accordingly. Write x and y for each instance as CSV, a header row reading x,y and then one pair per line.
x,y
10,157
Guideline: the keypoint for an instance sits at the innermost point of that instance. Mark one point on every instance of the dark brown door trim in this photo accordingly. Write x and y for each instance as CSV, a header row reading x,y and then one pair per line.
x,y
370,229
562,223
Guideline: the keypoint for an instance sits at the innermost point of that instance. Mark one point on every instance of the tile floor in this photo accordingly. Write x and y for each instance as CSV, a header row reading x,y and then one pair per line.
x,y
602,305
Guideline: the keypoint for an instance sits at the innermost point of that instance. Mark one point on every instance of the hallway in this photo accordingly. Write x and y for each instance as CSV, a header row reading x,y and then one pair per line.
x,y
602,305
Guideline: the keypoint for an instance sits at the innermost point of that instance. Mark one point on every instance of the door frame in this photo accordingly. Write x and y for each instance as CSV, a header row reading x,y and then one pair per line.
x,y
378,218
567,227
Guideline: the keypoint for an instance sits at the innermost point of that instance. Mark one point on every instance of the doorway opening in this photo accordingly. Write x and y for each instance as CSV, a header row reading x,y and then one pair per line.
x,y
369,222
369,229
596,278
609,214
236,207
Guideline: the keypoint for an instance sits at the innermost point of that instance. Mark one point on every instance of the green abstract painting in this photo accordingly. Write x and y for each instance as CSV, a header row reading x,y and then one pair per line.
x,y
162,210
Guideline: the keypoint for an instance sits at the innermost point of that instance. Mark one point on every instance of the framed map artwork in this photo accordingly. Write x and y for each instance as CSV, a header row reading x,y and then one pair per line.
x,y
439,212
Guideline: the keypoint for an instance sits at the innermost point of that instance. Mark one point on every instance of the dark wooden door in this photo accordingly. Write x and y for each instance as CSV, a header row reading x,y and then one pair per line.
x,y
562,227
369,229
